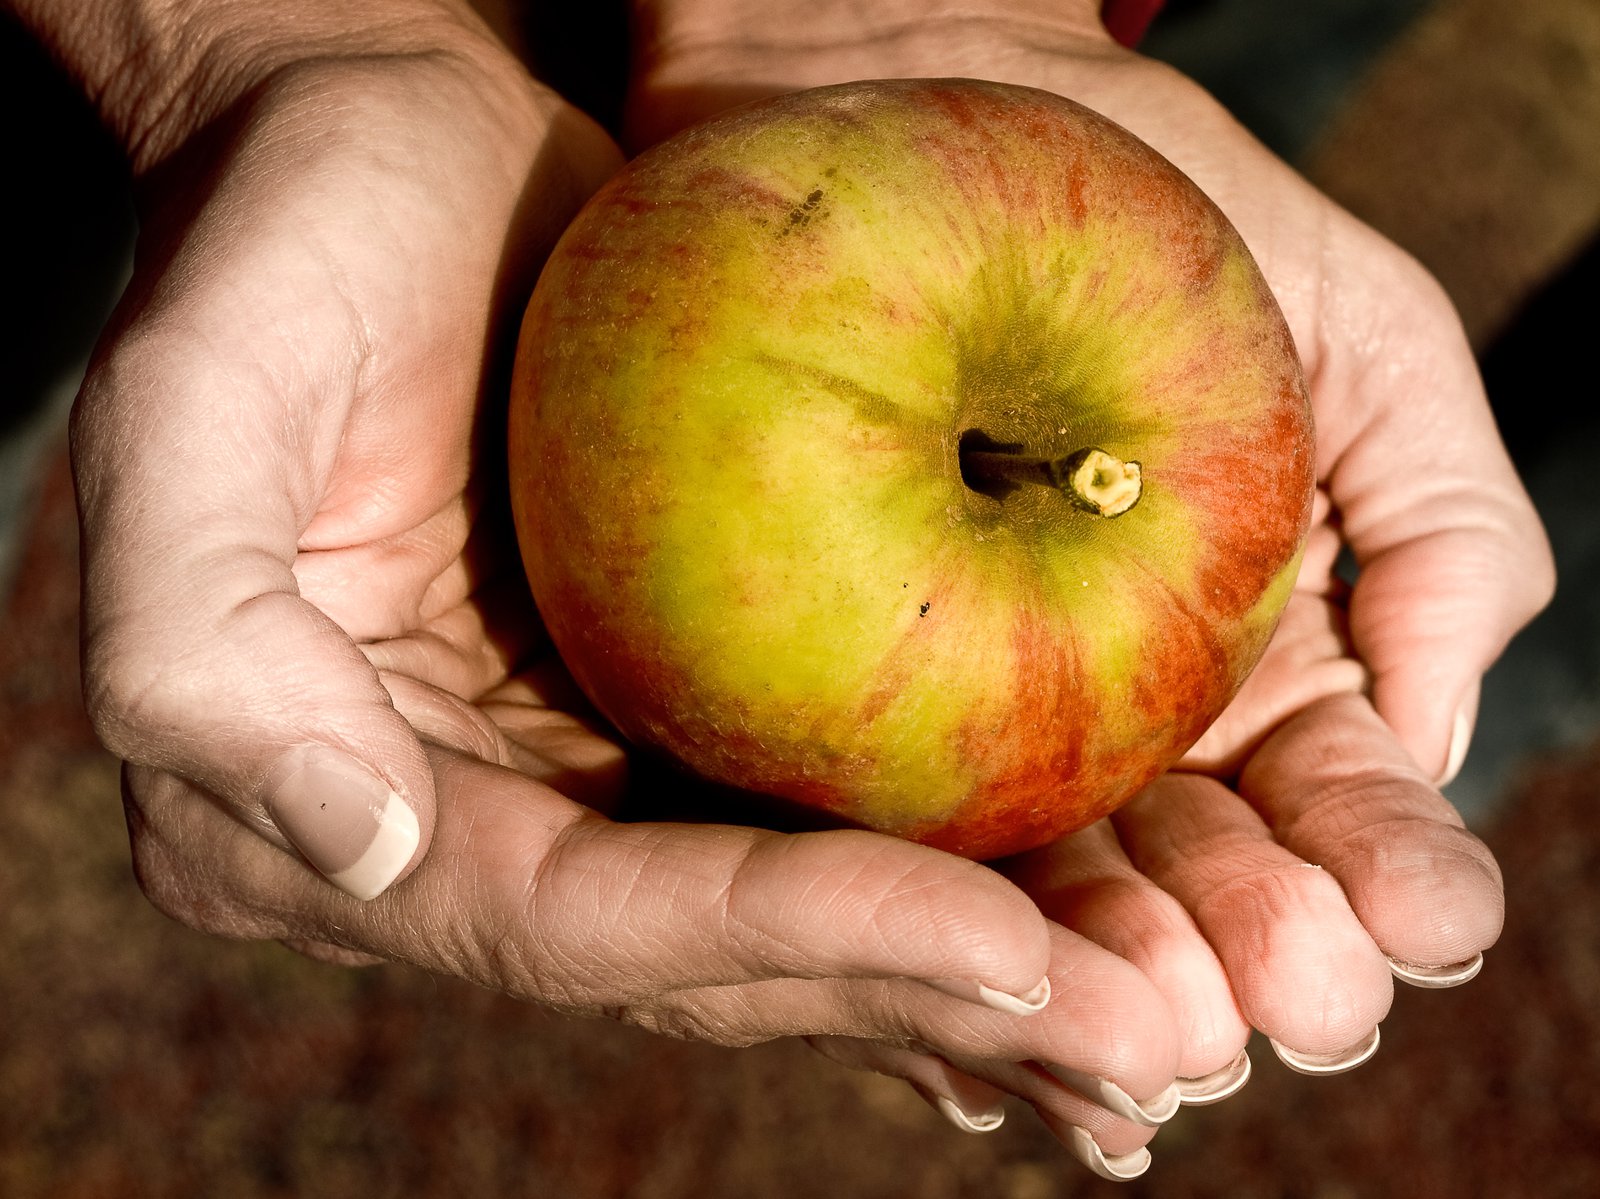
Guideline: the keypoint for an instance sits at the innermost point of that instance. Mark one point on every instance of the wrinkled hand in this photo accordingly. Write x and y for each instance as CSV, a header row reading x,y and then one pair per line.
x,y
1333,753
305,630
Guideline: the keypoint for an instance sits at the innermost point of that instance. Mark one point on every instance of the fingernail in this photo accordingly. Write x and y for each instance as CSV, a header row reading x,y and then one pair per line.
x,y
981,1121
1117,1169
1437,977
343,819
1025,1004
1460,741
1216,1086
1151,1113
1327,1063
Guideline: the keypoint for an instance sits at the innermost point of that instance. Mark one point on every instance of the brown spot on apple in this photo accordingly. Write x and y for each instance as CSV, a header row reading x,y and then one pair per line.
x,y
802,213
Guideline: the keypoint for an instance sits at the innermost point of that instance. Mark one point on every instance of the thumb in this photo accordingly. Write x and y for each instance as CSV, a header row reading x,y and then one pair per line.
x,y
1453,561
201,659
1430,617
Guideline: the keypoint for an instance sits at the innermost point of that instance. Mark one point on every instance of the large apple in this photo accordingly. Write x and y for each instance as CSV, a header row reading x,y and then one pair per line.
x,y
930,452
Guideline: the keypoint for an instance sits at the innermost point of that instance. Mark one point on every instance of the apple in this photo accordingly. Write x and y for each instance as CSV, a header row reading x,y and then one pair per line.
x,y
927,452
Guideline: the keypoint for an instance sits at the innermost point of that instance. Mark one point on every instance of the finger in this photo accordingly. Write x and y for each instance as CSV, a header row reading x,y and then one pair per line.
x,y
1452,556
968,1104
970,1096
714,906
1309,658
1338,789
1424,619
1303,969
1087,883
509,727
562,751
533,894
466,648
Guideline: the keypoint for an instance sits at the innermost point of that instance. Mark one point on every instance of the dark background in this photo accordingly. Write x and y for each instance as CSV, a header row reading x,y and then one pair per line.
x,y
140,1059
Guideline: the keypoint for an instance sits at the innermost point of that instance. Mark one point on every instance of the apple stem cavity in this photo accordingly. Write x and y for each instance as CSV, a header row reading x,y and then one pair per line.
x,y
1091,478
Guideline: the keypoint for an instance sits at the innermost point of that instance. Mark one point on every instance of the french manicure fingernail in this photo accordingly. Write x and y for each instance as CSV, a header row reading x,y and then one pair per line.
x,y
1151,1113
1116,1169
1460,741
344,820
1437,977
982,1121
1216,1086
1026,1004
1327,1063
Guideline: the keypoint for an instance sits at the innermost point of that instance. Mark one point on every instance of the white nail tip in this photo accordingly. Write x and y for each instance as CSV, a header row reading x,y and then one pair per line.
x,y
980,1122
1116,1169
1437,977
1022,1005
1460,742
398,833
1216,1086
1327,1063
1151,1113
1025,1004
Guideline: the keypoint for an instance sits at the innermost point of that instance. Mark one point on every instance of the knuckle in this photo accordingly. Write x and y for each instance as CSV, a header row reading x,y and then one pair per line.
x,y
174,888
174,872
1266,896
131,693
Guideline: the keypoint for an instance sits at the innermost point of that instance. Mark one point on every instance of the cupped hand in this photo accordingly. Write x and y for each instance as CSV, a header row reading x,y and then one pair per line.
x,y
304,630
1303,851
276,446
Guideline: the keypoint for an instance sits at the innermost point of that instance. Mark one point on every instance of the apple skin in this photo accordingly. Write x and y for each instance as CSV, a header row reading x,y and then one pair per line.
x,y
738,410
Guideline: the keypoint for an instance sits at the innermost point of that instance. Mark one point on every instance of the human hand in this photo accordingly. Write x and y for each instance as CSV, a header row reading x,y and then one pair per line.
x,y
276,444
1333,752
295,597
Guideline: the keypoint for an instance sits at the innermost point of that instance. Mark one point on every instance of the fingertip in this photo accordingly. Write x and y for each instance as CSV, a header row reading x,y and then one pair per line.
x,y
1216,1085
1289,935
1336,1061
952,923
1111,1167
979,1121
1429,893
1437,978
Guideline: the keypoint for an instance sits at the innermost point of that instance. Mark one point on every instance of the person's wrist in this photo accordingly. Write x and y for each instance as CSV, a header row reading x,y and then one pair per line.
x,y
758,18
158,70
676,26
694,56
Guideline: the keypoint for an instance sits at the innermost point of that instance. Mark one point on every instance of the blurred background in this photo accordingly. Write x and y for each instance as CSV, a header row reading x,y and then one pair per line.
x,y
140,1059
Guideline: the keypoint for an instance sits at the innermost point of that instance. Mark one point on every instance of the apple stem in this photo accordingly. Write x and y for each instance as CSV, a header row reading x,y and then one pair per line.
x,y
1091,478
